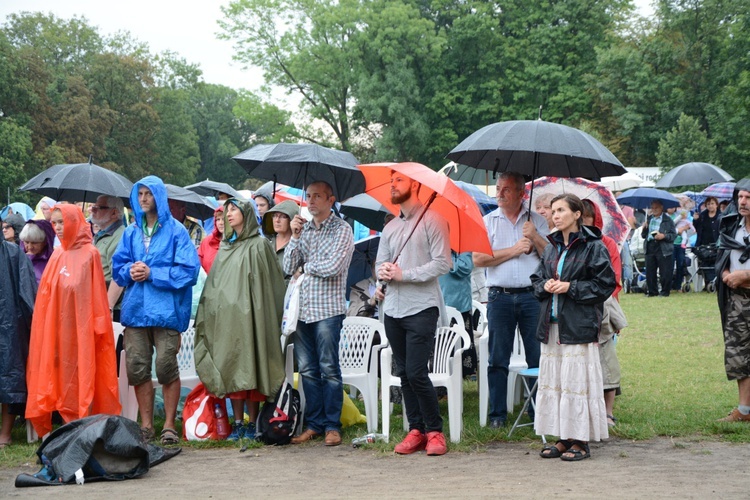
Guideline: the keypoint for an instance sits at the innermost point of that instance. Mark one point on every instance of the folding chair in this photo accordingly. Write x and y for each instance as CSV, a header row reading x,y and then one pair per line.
x,y
525,375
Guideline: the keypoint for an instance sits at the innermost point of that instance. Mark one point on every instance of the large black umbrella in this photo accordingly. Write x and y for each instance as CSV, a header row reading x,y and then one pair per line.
x,y
693,174
536,148
213,188
298,165
366,210
79,182
197,206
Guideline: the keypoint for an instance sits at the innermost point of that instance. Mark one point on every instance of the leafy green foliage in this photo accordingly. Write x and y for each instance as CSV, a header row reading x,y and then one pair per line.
x,y
387,79
67,92
686,142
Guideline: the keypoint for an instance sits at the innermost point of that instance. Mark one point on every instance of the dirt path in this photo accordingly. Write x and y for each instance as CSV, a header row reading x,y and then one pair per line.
x,y
618,469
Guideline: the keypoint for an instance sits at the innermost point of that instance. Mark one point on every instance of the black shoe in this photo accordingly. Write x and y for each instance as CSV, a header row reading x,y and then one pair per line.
x,y
497,423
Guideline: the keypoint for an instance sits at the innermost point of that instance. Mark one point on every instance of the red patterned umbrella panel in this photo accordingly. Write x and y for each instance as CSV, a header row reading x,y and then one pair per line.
x,y
615,224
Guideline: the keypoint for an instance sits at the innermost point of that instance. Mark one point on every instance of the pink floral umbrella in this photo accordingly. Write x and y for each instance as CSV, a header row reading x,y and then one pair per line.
x,y
615,224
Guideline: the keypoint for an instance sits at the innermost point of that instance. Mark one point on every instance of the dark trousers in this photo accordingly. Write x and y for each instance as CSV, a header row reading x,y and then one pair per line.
x,y
656,260
412,340
679,272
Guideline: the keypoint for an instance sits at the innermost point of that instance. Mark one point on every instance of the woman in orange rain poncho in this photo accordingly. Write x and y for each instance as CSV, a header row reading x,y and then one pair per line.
x,y
71,367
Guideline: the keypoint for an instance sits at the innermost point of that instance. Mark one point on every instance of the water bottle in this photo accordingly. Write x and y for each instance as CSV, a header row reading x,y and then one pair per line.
x,y
222,422
369,438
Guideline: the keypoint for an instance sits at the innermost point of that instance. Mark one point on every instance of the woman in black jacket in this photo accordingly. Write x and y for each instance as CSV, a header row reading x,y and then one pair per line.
x,y
572,282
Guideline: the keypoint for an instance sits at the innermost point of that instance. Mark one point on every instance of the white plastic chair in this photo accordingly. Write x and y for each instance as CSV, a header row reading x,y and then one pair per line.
x,y
517,364
358,357
445,371
478,307
185,360
31,435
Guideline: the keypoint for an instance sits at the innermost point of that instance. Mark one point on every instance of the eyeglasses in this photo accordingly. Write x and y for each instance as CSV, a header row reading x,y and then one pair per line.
x,y
6,226
99,207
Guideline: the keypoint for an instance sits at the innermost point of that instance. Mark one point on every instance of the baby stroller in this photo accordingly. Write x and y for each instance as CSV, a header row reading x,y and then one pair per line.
x,y
705,255
637,281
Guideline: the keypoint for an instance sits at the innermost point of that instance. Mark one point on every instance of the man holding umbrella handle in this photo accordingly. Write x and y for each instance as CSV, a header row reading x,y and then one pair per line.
x,y
414,251
517,242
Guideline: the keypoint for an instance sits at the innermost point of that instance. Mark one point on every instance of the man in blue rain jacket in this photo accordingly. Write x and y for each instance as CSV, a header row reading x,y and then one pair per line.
x,y
157,264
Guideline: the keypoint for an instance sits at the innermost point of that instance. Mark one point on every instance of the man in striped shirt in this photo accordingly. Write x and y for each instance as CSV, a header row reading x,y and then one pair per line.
x,y
322,249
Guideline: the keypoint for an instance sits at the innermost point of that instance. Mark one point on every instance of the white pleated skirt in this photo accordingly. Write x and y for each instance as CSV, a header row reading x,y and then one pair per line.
x,y
570,394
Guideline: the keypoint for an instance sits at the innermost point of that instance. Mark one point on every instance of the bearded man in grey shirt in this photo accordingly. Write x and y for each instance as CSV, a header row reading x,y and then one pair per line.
x,y
412,300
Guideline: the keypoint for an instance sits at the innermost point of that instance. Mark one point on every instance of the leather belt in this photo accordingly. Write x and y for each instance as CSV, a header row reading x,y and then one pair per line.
x,y
500,289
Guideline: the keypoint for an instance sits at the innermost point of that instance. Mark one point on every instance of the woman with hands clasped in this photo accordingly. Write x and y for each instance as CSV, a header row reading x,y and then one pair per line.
x,y
572,282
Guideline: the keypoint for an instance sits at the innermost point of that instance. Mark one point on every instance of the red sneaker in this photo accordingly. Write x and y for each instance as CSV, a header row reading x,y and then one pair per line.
x,y
436,443
413,442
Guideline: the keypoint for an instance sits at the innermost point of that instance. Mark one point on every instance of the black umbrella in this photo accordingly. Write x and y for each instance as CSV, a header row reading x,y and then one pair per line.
x,y
363,257
470,175
298,165
693,174
79,182
366,210
536,148
212,188
197,206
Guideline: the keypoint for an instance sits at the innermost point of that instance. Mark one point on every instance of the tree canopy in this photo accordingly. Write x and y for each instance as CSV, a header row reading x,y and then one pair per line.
x,y
389,80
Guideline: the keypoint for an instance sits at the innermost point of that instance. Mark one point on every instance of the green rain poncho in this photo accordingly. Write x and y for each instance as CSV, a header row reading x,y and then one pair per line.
x,y
237,326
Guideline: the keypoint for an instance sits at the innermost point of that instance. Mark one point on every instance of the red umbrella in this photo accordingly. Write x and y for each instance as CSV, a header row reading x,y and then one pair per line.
x,y
467,230
615,224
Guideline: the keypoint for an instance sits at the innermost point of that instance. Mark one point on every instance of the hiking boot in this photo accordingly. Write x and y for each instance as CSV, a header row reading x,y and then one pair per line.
x,y
436,443
413,442
238,432
735,416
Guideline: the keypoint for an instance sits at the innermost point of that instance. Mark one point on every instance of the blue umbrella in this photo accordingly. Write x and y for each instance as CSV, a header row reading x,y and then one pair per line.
x,y
486,202
19,208
642,198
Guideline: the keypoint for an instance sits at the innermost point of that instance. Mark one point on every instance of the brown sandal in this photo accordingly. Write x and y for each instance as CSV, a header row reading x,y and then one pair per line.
x,y
169,436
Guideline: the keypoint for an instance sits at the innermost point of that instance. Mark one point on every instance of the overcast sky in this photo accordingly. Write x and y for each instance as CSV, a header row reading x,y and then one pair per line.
x,y
187,27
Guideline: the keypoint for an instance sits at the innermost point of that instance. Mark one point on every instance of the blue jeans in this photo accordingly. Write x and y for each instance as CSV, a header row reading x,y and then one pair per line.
x,y
505,311
412,341
316,349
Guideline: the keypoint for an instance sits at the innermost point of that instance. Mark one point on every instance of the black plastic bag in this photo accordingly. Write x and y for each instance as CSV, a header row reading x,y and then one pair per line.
x,y
104,447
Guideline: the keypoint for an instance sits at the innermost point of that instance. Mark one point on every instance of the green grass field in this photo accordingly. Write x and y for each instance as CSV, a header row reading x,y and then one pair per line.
x,y
673,383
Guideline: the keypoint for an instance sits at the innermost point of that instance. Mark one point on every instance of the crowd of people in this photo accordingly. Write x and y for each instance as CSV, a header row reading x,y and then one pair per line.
x,y
553,276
